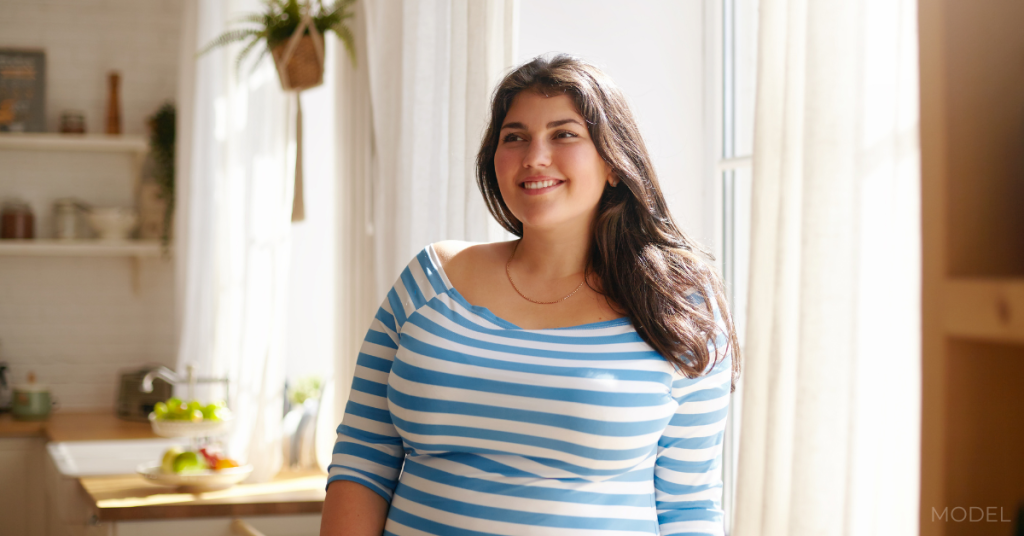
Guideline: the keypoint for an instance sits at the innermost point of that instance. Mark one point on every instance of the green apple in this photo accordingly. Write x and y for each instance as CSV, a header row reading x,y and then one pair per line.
x,y
160,410
188,462
171,454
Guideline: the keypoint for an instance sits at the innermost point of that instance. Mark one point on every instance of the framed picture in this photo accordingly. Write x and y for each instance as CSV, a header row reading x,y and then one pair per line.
x,y
22,90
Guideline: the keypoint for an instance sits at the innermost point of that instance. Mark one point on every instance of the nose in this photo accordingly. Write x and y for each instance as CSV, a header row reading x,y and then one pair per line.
x,y
538,154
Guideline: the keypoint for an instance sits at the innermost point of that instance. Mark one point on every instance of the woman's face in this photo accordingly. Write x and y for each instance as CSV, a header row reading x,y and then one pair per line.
x,y
549,172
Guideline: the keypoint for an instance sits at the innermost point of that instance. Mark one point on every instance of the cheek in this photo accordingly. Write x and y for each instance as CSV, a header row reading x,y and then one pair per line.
x,y
584,165
506,163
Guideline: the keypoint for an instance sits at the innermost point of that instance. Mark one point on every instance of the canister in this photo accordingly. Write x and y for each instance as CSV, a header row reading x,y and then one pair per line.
x,y
31,401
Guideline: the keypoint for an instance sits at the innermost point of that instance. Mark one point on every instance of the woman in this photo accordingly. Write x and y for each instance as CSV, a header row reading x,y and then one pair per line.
x,y
574,381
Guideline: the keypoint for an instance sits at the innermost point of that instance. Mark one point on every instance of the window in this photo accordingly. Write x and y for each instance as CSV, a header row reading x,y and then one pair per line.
x,y
737,60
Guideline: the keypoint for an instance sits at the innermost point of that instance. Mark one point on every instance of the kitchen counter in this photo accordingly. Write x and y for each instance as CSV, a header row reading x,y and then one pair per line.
x,y
133,498
76,426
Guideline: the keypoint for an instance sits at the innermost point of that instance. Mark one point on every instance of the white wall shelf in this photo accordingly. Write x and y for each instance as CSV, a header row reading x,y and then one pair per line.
x,y
80,248
46,141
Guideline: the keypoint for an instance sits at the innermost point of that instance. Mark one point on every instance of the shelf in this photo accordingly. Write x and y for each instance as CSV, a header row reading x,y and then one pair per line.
x,y
80,248
45,141
987,309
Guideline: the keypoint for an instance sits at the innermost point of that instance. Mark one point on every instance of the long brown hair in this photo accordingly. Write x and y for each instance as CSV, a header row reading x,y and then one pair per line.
x,y
645,263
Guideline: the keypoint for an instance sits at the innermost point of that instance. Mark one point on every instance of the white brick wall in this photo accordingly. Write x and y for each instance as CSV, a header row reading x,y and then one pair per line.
x,y
77,321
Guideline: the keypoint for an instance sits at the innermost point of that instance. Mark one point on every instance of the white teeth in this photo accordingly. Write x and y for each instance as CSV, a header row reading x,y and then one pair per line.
x,y
539,184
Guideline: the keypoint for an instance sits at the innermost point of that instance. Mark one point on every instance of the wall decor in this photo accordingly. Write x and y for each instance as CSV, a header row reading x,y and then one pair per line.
x,y
22,90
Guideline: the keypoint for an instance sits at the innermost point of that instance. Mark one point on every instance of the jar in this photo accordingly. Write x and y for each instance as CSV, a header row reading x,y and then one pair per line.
x,y
17,221
65,219
72,122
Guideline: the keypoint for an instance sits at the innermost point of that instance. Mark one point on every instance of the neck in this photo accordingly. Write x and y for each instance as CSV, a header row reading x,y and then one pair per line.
x,y
553,254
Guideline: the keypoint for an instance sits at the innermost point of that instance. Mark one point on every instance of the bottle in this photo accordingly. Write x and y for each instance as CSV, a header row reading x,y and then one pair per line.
x,y
114,104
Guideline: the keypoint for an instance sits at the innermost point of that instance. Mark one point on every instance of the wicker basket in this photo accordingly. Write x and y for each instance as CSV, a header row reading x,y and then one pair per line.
x,y
304,69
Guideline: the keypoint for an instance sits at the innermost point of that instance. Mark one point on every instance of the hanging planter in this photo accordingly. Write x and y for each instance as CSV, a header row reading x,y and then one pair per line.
x,y
293,34
300,62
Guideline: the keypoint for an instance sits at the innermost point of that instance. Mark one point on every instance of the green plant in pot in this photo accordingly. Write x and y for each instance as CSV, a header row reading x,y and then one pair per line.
x,y
161,144
292,32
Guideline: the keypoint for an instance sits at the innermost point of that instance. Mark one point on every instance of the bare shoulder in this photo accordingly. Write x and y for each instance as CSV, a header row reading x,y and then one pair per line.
x,y
447,249
456,253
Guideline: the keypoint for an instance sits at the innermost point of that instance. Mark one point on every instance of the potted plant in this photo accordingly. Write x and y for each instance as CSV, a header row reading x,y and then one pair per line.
x,y
292,32
161,144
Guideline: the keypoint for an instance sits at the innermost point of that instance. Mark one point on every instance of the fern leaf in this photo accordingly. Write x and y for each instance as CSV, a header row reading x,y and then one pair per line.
x,y
228,37
349,40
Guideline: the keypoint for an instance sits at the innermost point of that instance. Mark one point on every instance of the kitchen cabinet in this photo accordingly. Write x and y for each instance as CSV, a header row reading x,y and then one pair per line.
x,y
22,496
972,318
286,525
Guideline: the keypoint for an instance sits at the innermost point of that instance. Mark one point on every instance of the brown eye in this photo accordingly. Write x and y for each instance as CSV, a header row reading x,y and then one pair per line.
x,y
510,137
565,134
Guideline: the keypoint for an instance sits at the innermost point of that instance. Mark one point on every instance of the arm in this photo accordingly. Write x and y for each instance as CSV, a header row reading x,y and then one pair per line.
x,y
688,471
369,453
352,509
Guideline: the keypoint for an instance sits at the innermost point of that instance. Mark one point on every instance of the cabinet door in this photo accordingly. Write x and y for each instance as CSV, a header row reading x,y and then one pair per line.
x,y
289,525
22,499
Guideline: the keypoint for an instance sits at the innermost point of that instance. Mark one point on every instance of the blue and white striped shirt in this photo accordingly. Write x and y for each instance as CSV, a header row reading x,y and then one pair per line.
x,y
470,425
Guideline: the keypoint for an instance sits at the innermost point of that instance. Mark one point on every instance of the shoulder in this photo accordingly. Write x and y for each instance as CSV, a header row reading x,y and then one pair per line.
x,y
458,254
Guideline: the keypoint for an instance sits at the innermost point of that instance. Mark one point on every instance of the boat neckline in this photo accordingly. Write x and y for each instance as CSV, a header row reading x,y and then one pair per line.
x,y
489,315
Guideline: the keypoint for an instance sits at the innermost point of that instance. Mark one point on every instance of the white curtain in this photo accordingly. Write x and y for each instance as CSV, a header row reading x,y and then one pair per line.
x,y
432,65
410,115
234,198
831,413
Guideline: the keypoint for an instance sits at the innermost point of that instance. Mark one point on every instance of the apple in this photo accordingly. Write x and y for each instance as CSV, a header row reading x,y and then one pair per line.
x,y
188,462
167,464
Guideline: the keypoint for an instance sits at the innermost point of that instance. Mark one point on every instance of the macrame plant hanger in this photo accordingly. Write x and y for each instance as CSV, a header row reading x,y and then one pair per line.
x,y
305,82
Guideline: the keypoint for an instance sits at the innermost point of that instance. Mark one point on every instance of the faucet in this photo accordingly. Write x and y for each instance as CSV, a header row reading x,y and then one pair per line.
x,y
172,377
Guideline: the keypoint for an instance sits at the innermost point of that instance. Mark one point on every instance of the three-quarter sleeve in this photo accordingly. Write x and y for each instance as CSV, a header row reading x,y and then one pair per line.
x,y
688,470
369,450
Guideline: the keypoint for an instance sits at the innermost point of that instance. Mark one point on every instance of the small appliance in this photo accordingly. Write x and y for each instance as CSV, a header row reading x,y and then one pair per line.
x,y
134,404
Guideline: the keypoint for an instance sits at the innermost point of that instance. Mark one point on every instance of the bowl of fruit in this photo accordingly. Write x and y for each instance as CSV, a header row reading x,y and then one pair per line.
x,y
194,471
177,418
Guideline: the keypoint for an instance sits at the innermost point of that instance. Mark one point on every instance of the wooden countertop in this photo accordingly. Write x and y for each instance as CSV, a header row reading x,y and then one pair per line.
x,y
131,497
76,426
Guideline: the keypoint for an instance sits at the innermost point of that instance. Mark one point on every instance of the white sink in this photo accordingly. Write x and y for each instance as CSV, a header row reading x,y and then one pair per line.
x,y
98,458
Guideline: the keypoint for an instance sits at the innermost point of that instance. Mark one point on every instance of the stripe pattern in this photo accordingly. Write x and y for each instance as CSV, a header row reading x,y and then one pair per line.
x,y
470,426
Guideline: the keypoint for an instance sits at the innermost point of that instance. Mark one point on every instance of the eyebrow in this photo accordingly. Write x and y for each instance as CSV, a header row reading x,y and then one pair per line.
x,y
552,124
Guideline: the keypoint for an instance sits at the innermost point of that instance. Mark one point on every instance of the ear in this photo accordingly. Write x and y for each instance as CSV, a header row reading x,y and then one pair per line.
x,y
613,181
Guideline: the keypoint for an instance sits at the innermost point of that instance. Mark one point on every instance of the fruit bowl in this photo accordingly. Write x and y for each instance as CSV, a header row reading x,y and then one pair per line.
x,y
204,428
194,482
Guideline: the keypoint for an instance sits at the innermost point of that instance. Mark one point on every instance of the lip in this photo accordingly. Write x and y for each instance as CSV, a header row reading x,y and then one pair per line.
x,y
539,178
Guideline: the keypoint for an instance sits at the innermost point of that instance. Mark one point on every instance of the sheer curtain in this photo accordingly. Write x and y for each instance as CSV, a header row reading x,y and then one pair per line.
x,y
432,65
409,119
831,413
232,229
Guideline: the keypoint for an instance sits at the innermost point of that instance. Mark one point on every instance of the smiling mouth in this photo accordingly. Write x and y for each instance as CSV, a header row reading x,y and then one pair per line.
x,y
537,185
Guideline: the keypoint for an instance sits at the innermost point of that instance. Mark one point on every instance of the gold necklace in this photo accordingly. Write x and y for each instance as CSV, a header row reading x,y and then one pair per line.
x,y
524,295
